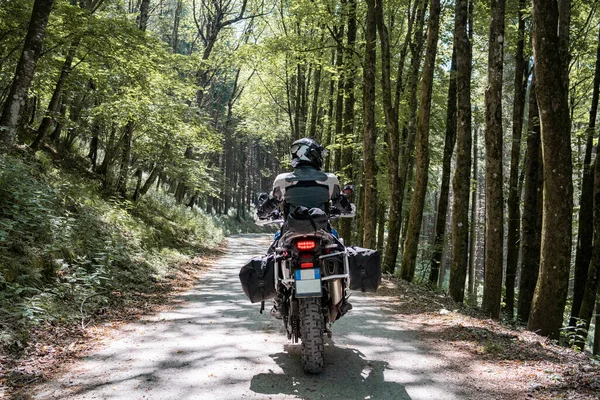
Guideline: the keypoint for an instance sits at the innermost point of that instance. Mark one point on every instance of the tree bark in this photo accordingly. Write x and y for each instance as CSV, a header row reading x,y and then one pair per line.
x,y
314,114
17,95
369,132
471,289
144,15
348,128
532,212
399,155
461,182
492,290
53,106
176,21
585,232
512,241
125,157
449,142
409,257
551,291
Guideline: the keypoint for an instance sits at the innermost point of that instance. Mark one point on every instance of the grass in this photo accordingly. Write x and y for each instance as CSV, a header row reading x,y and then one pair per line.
x,y
65,250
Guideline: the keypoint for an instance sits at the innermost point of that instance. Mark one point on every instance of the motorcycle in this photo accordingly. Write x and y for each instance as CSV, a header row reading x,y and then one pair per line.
x,y
311,275
309,272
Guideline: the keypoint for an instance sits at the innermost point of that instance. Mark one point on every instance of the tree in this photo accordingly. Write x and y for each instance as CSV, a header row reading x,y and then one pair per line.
x,y
551,63
398,157
461,182
531,218
585,232
32,49
512,236
449,142
418,200
494,233
369,133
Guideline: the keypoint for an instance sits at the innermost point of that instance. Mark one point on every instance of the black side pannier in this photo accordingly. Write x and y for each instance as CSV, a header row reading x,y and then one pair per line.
x,y
303,220
257,277
365,269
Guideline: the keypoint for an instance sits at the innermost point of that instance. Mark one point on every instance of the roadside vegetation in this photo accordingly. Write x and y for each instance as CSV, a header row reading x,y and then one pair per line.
x,y
67,252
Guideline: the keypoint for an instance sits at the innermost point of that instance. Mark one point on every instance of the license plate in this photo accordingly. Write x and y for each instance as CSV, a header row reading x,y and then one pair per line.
x,y
308,282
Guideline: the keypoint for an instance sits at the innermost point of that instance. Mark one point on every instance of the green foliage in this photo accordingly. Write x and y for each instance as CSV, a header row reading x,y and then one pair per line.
x,y
64,249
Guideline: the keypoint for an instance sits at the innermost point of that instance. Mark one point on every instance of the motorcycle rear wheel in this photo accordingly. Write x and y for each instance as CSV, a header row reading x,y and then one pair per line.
x,y
312,327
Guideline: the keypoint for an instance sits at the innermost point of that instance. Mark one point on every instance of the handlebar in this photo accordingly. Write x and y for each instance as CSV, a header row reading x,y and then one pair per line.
x,y
275,217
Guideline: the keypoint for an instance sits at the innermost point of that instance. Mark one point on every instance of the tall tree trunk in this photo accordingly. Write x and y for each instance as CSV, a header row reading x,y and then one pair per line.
x,y
393,139
585,232
125,157
330,108
588,300
369,132
314,113
55,136
461,183
551,291
531,224
176,21
449,141
93,153
409,257
151,179
473,225
512,236
400,156
144,15
339,114
17,95
348,128
596,348
53,106
494,233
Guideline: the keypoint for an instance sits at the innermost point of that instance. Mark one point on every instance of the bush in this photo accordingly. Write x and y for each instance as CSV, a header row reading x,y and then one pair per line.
x,y
64,249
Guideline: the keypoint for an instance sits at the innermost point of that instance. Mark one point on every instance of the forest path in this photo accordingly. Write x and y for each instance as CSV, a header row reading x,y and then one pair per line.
x,y
216,345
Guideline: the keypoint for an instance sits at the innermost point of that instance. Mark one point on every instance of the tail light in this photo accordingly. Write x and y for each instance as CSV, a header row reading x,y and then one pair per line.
x,y
307,260
305,245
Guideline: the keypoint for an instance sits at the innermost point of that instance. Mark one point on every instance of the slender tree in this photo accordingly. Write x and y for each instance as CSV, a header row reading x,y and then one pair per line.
x,y
551,89
494,233
461,182
585,232
442,207
512,235
418,200
32,49
369,133
531,219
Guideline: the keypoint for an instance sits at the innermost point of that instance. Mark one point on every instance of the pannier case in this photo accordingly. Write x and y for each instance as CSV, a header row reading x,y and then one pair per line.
x,y
365,269
257,277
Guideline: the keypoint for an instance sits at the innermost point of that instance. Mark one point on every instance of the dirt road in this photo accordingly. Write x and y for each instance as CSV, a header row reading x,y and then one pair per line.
x,y
216,345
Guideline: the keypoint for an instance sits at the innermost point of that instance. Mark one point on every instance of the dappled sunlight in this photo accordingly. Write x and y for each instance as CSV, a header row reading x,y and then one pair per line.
x,y
217,345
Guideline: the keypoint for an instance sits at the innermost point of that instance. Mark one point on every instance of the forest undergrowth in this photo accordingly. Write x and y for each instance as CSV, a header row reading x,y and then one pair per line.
x,y
71,257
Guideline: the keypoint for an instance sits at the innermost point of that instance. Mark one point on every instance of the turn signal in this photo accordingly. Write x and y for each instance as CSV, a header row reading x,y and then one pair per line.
x,y
304,245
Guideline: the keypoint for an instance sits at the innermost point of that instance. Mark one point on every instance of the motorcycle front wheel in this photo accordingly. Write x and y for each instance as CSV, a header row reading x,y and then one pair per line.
x,y
312,326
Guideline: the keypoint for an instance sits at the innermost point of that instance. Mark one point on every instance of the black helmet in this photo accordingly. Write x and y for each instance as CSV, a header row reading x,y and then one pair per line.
x,y
307,151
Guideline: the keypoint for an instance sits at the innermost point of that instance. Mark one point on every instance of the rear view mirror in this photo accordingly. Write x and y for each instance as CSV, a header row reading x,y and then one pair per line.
x,y
348,190
262,198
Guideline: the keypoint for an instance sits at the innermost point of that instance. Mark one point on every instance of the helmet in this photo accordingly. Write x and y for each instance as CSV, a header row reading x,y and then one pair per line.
x,y
307,151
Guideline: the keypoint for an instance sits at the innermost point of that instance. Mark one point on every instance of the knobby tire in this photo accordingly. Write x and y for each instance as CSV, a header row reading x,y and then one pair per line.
x,y
312,327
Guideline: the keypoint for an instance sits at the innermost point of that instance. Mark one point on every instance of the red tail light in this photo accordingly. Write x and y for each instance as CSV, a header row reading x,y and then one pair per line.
x,y
304,245
306,265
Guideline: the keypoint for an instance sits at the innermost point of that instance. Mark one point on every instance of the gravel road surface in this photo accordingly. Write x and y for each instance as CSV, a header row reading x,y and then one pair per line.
x,y
216,345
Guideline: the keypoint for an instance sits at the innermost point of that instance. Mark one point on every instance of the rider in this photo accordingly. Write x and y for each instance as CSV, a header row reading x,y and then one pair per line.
x,y
308,186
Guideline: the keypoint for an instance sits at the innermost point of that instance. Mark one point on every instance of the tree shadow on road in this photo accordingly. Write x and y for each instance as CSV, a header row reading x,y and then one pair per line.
x,y
347,375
